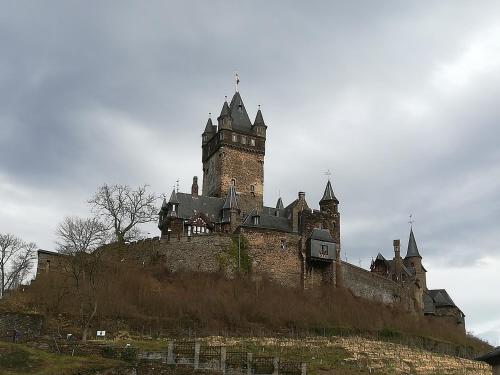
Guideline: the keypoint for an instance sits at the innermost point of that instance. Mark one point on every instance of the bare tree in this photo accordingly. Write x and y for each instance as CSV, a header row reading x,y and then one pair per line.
x,y
16,260
76,234
123,208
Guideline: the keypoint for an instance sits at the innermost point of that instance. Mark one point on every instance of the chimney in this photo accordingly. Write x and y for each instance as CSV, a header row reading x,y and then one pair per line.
x,y
396,244
302,196
194,187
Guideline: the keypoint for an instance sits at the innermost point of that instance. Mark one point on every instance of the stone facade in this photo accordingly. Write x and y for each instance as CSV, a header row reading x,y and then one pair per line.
x,y
295,245
28,325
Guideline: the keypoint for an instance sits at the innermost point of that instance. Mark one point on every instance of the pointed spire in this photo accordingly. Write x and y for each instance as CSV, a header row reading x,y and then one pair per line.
x,y
225,109
380,257
209,128
412,247
173,197
328,195
164,204
279,204
231,199
259,119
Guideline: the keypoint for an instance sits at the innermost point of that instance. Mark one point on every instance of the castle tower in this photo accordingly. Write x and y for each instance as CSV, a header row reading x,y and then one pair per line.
x,y
329,207
413,260
233,155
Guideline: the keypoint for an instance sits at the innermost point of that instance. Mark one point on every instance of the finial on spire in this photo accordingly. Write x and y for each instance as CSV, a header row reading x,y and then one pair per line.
x,y
237,80
209,114
328,173
225,97
411,221
259,107
177,185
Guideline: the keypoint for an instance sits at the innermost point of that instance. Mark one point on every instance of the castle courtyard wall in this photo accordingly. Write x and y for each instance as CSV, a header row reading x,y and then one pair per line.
x,y
371,286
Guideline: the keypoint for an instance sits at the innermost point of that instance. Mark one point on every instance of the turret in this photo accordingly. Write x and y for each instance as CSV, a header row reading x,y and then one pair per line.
x,y
210,130
329,202
413,260
224,119
259,127
173,205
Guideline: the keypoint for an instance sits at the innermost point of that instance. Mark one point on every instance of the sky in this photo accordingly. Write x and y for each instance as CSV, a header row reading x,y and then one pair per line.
x,y
399,100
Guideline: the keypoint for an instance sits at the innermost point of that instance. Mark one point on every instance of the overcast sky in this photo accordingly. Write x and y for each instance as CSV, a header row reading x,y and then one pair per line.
x,y
400,100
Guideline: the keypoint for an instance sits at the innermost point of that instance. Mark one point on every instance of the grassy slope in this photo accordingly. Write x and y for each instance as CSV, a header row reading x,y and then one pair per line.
x,y
17,359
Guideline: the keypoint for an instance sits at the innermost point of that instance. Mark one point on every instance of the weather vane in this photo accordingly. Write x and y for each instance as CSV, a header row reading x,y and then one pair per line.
x,y
328,173
411,221
237,79
177,185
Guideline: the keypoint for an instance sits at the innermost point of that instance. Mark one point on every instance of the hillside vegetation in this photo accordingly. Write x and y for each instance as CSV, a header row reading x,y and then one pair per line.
x,y
117,296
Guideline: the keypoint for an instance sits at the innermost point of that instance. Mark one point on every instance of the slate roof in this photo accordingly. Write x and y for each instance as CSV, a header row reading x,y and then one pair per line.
x,y
492,358
321,235
209,128
412,247
390,265
173,197
239,115
441,298
279,204
267,221
429,307
190,206
225,110
259,120
328,195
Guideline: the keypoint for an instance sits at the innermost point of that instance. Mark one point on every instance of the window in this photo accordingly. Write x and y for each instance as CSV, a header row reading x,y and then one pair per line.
x,y
252,142
252,188
324,250
235,138
283,244
205,138
233,182
244,140
256,220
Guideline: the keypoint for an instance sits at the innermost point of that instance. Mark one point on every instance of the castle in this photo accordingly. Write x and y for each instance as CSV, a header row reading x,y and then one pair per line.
x,y
293,244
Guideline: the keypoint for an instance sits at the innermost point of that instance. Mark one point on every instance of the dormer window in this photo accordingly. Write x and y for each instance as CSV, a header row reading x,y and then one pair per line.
x,y
205,138
256,220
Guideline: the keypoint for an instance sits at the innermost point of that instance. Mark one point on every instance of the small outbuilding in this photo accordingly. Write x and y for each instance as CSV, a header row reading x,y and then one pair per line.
x,y
492,358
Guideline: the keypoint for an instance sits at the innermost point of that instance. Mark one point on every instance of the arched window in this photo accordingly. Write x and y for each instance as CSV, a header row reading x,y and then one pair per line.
x,y
233,181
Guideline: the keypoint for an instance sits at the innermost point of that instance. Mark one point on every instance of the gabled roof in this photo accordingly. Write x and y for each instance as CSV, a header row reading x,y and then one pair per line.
x,y
239,115
279,204
380,257
231,201
321,235
328,195
412,247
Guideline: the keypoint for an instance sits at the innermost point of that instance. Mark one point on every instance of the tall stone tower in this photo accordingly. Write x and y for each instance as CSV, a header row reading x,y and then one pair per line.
x,y
233,154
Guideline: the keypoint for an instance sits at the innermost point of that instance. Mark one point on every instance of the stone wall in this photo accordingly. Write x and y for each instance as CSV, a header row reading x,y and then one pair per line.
x,y
49,261
27,324
268,257
371,286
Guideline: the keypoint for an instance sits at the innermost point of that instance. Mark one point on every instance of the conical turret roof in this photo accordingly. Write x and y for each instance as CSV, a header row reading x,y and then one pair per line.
x,y
259,120
209,128
231,201
225,110
279,204
173,198
239,115
328,195
412,247
164,204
